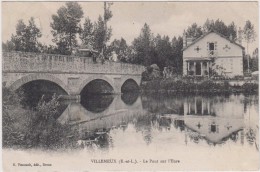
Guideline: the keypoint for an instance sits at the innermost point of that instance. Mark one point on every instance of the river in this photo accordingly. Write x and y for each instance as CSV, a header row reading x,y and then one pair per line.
x,y
195,131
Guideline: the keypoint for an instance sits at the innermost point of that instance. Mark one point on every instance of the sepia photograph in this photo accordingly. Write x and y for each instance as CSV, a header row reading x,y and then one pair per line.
x,y
130,86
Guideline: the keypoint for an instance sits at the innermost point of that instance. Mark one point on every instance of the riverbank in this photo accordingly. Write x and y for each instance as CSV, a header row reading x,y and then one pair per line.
x,y
29,128
193,86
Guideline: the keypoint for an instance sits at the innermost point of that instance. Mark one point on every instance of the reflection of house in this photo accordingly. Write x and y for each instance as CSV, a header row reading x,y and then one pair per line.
x,y
214,129
214,107
198,106
212,51
214,119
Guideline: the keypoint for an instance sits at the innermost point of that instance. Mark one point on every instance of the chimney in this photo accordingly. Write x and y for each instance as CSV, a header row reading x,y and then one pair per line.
x,y
184,39
239,38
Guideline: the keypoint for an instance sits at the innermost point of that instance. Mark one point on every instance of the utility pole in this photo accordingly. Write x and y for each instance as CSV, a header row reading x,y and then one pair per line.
x,y
106,18
105,26
248,59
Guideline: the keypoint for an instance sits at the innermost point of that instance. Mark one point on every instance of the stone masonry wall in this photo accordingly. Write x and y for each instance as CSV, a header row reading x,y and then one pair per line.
x,y
34,62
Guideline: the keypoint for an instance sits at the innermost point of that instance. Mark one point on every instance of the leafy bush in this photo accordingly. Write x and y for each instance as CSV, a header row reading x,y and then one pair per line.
x,y
238,77
167,84
33,129
250,87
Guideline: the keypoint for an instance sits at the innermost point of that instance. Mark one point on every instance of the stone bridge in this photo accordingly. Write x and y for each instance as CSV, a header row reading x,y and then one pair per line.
x,y
72,73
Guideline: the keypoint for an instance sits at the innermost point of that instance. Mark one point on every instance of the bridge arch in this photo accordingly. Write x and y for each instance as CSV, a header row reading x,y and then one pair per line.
x,y
33,77
99,77
133,83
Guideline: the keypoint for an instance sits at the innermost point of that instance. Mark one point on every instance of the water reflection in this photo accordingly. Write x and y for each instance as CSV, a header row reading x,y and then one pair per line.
x,y
94,124
96,102
200,119
213,120
129,98
100,121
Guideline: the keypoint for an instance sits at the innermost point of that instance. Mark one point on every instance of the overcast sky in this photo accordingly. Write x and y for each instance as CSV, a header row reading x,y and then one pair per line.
x,y
165,18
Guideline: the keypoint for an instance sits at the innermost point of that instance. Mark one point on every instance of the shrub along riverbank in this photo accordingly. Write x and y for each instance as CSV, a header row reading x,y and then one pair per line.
x,y
192,86
33,128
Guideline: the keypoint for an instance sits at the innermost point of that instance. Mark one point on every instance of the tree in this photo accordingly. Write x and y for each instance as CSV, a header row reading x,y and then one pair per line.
x,y
255,60
163,51
65,26
32,34
8,46
249,36
208,26
101,34
143,46
26,38
121,48
87,33
19,38
97,34
194,31
219,26
147,49
232,30
177,46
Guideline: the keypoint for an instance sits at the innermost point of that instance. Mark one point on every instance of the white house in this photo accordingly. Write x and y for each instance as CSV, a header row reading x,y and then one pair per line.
x,y
212,52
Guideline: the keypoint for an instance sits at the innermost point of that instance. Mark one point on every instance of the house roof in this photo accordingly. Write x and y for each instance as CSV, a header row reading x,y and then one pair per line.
x,y
213,31
215,139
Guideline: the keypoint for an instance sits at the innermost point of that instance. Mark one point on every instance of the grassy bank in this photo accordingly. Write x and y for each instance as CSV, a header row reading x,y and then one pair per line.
x,y
24,128
191,86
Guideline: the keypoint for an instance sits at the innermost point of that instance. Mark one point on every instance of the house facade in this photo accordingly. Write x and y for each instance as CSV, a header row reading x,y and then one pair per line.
x,y
210,54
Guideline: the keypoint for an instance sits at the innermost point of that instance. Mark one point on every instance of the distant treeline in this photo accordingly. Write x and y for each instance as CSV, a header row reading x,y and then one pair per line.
x,y
146,49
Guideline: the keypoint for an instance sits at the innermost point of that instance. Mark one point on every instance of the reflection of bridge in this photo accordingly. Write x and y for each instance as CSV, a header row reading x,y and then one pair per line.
x,y
69,72
116,114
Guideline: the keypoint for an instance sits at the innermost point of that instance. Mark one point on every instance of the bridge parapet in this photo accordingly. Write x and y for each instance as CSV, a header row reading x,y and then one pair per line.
x,y
35,62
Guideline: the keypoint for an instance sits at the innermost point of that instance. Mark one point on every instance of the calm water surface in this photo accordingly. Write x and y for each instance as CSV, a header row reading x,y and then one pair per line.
x,y
107,122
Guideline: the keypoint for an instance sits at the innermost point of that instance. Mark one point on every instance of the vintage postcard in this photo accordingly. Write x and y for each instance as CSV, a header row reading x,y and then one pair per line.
x,y
130,86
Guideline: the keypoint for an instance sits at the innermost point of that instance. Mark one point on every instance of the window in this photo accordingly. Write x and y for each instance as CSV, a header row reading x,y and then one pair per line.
x,y
213,128
211,46
190,64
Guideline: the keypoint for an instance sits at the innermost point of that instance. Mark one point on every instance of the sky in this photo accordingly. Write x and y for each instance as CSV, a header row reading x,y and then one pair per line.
x,y
164,18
